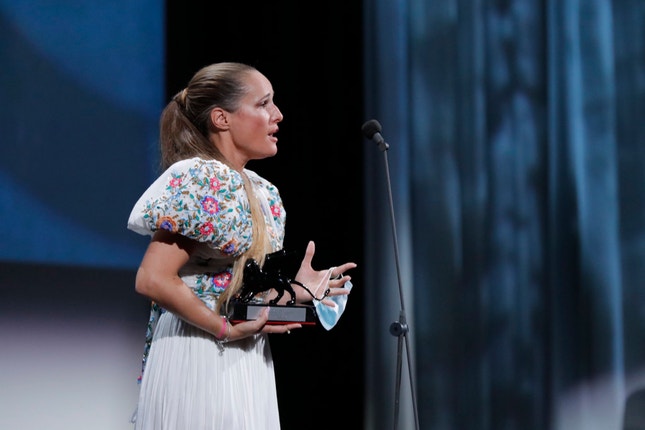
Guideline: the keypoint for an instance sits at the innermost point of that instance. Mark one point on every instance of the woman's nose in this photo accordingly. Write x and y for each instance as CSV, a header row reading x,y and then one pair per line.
x,y
278,115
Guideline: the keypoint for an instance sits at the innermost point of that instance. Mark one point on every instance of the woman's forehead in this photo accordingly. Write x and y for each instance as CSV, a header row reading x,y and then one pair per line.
x,y
257,84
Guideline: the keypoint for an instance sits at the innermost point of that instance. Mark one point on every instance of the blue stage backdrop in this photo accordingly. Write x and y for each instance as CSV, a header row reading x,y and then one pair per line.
x,y
81,89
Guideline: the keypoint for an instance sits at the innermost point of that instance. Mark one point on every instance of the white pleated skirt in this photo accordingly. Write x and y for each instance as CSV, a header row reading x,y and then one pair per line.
x,y
190,383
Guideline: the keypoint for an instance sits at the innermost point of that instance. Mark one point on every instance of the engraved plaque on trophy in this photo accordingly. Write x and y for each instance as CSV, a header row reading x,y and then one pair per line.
x,y
278,314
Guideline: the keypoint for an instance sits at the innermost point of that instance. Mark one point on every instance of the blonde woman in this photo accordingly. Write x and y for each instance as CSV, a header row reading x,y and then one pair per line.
x,y
207,215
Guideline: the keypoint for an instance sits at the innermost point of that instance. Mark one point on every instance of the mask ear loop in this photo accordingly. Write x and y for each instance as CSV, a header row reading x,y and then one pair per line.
x,y
321,285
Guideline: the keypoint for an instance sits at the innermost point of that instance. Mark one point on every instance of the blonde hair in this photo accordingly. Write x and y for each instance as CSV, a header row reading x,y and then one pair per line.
x,y
184,130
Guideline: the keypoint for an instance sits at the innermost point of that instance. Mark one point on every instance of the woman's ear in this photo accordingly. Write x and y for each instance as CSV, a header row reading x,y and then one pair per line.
x,y
219,118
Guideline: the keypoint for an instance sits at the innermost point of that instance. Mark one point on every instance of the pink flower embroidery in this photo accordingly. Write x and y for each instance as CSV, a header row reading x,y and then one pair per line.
x,y
206,229
175,182
209,204
215,184
221,280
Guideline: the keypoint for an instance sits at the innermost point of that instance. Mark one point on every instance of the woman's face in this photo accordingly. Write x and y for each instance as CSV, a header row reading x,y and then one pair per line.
x,y
254,124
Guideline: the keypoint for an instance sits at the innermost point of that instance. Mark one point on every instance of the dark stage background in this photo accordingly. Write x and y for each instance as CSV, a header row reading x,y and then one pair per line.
x,y
312,53
518,180
75,157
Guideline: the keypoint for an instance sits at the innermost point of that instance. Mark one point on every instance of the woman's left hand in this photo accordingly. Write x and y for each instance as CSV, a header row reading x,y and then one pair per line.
x,y
320,283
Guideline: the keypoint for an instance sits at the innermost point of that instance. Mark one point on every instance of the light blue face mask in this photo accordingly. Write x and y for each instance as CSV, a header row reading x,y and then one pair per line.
x,y
329,316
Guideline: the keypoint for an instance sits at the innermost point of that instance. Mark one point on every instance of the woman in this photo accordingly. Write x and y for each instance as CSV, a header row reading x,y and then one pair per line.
x,y
207,215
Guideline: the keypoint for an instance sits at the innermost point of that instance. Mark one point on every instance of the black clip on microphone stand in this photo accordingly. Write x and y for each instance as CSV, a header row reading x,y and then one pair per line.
x,y
371,129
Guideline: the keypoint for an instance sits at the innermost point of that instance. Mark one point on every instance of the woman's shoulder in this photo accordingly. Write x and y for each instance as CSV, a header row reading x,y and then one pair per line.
x,y
202,173
201,199
197,164
260,181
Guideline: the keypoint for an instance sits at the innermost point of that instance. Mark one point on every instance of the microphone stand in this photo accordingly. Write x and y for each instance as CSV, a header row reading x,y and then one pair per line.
x,y
400,327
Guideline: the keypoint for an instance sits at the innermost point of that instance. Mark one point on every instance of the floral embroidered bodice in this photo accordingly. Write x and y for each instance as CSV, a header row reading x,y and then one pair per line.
x,y
205,200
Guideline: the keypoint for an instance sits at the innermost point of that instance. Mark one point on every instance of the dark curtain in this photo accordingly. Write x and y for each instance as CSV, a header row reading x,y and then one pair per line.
x,y
517,160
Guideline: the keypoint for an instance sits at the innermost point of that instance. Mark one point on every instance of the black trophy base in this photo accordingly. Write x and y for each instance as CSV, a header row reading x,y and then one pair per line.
x,y
278,314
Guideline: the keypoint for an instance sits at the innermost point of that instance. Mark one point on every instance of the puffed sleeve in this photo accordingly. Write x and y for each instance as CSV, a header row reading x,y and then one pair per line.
x,y
203,200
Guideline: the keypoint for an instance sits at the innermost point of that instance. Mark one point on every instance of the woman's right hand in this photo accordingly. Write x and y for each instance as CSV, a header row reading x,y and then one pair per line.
x,y
259,325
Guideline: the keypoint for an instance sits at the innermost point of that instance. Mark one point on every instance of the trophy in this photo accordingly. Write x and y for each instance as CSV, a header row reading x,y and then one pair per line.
x,y
272,275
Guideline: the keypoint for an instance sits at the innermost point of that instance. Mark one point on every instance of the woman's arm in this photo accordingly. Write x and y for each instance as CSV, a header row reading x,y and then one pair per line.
x,y
157,278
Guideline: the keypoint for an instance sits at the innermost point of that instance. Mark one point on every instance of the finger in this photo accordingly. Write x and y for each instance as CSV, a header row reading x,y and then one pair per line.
x,y
252,327
338,292
280,328
340,282
343,268
329,303
257,324
309,254
263,317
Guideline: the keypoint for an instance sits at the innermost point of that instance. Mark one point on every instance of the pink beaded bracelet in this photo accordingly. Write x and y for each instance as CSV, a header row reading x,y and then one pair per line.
x,y
223,331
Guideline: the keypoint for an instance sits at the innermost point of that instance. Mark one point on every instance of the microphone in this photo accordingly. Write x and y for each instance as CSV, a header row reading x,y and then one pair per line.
x,y
372,130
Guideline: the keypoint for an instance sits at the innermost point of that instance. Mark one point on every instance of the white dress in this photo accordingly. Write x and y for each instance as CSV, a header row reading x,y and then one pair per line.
x,y
189,381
